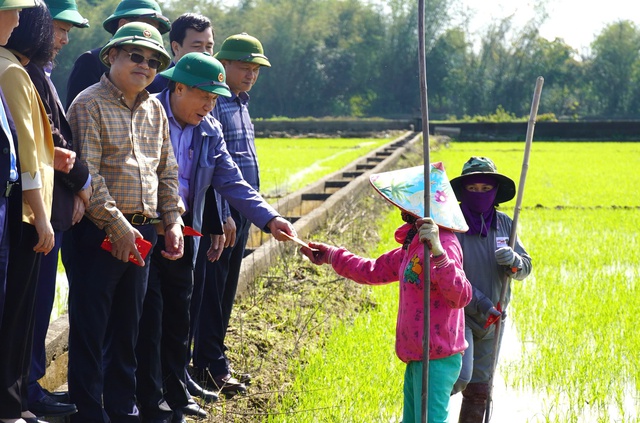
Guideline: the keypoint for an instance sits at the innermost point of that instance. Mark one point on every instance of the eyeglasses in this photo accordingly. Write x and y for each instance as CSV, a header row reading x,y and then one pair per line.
x,y
139,58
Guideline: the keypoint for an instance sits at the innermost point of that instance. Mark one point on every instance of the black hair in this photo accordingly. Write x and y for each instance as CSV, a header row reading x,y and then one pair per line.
x,y
33,37
171,86
188,21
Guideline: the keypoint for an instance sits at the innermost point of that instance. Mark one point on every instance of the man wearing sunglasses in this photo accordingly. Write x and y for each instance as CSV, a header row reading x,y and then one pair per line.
x,y
88,67
123,136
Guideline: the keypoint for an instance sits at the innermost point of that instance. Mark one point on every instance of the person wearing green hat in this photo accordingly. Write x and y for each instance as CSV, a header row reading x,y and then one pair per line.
x,y
122,134
242,56
71,193
88,67
10,226
488,257
196,83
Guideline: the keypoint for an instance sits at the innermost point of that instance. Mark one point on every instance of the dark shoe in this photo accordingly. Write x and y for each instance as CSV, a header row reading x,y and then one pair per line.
x,y
33,420
229,385
242,377
48,406
198,391
193,409
62,397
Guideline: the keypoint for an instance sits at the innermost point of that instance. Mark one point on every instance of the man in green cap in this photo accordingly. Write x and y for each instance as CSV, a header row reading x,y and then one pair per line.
x,y
122,135
72,190
88,68
242,56
196,83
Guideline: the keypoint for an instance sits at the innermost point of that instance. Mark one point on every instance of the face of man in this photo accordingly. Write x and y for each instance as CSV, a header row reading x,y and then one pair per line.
x,y
241,75
60,35
194,41
131,77
9,19
191,105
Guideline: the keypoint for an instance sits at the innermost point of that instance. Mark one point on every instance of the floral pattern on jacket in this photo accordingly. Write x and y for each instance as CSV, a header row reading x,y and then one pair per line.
x,y
450,292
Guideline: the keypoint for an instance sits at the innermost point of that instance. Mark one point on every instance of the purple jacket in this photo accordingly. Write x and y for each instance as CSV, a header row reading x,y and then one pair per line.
x,y
450,292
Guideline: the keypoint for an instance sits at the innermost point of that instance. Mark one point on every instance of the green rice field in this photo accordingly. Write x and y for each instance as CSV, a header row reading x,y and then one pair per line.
x,y
288,164
574,319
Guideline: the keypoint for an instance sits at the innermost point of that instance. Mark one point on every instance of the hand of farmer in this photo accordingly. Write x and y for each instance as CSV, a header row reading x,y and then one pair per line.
x,y
323,255
494,315
505,256
429,233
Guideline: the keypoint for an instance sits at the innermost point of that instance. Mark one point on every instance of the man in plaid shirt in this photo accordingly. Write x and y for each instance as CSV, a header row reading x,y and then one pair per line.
x,y
123,136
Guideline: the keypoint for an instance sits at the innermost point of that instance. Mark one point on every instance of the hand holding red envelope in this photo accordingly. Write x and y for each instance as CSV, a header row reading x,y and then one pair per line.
x,y
142,245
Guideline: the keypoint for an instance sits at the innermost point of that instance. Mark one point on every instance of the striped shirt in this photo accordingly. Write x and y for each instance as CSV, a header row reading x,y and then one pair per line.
x,y
129,155
233,113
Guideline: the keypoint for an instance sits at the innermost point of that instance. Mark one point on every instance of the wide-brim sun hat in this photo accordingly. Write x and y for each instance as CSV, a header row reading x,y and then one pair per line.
x,y
243,47
200,70
16,4
132,9
404,188
67,11
137,34
484,165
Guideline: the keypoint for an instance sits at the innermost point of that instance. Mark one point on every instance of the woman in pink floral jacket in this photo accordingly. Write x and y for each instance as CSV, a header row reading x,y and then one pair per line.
x,y
450,291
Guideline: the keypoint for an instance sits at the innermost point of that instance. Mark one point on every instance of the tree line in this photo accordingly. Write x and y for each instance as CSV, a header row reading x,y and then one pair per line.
x,y
359,58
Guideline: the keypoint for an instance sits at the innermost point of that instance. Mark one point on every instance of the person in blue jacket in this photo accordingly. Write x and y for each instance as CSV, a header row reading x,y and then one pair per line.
x,y
203,161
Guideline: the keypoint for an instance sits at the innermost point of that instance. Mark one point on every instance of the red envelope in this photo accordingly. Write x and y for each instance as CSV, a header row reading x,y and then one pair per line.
x,y
142,245
189,231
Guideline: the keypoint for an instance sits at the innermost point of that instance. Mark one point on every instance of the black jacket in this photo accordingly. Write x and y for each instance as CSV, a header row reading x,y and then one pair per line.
x,y
65,184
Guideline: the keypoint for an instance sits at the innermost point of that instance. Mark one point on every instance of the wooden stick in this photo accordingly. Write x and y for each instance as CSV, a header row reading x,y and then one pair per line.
x,y
512,236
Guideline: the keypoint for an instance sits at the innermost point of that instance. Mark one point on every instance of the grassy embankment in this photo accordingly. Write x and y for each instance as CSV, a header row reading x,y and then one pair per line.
x,y
574,315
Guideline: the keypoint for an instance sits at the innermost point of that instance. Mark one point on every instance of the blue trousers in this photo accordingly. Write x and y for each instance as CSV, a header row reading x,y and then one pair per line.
x,y
219,284
105,305
45,296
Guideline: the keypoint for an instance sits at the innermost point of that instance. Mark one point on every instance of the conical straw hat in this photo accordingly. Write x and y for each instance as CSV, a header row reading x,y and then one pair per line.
x,y
404,189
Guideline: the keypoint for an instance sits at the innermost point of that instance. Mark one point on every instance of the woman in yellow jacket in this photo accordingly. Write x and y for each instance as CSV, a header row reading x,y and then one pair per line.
x,y
30,41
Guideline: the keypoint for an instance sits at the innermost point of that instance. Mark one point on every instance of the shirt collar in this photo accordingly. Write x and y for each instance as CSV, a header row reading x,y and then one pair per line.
x,y
117,94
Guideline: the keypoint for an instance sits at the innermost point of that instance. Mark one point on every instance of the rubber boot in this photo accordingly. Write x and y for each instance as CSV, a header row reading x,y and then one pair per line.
x,y
474,399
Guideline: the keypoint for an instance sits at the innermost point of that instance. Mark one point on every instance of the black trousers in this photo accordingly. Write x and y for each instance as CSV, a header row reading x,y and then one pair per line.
x,y
16,331
162,350
105,305
220,282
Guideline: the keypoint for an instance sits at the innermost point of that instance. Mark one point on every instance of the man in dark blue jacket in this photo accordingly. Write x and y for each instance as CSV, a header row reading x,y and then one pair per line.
x,y
203,161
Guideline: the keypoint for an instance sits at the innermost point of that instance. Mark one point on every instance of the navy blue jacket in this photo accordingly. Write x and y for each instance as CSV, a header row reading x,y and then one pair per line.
x,y
213,166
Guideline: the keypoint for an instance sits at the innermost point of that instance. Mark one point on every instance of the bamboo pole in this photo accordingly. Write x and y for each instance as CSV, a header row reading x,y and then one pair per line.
x,y
427,209
513,234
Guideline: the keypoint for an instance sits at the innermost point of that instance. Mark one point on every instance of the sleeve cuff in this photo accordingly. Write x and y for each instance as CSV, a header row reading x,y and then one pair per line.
x,y
31,182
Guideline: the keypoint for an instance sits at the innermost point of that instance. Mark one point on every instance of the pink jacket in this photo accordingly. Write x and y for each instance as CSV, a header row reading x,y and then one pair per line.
x,y
450,292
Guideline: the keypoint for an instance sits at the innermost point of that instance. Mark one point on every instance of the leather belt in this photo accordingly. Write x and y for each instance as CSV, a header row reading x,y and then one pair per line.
x,y
140,219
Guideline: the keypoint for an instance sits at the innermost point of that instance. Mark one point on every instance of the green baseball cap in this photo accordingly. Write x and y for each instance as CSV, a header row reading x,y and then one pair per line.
x,y
67,11
243,47
200,70
132,9
484,165
138,34
16,4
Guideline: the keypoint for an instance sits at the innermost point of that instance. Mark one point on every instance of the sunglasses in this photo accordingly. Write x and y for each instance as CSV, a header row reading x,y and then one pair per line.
x,y
139,58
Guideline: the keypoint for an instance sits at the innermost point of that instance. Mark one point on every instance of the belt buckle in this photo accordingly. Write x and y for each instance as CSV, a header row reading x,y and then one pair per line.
x,y
138,219
9,188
